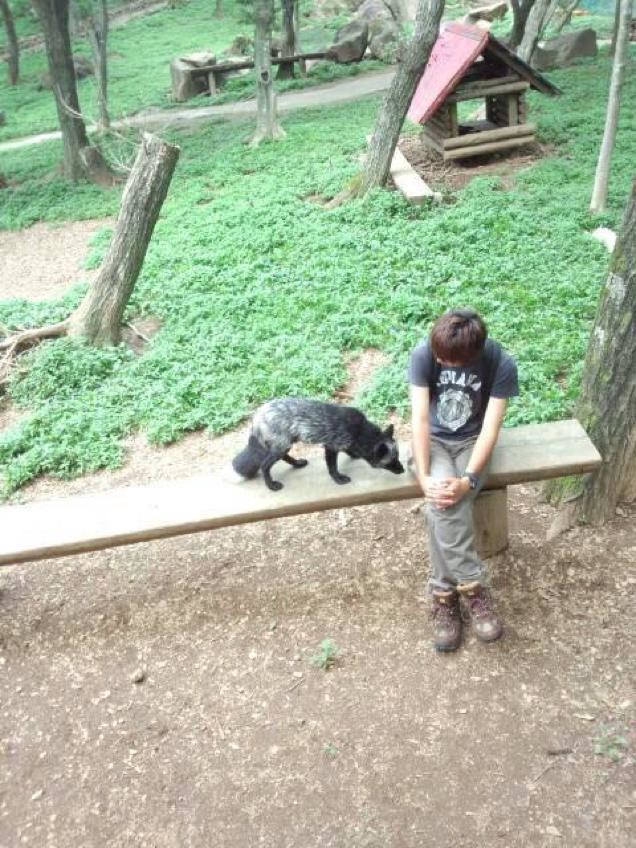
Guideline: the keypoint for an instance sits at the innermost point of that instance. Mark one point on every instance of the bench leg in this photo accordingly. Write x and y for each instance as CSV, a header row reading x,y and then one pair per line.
x,y
212,86
490,516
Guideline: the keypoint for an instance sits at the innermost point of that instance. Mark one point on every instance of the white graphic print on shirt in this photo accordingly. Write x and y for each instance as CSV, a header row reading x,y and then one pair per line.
x,y
456,405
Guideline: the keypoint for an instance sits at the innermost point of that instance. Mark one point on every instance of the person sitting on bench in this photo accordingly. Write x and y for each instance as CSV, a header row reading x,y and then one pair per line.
x,y
460,382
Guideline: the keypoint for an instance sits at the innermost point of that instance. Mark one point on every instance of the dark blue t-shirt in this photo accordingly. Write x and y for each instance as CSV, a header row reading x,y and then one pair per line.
x,y
458,401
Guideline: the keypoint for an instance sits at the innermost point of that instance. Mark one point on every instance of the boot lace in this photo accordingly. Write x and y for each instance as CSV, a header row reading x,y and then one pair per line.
x,y
480,605
444,613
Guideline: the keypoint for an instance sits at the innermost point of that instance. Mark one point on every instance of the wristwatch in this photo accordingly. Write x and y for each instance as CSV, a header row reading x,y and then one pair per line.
x,y
473,479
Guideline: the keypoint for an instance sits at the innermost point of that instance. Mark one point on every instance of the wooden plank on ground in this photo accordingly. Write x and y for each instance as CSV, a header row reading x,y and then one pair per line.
x,y
158,510
409,182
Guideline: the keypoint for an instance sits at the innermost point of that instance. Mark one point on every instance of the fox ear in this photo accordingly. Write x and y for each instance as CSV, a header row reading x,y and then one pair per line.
x,y
388,432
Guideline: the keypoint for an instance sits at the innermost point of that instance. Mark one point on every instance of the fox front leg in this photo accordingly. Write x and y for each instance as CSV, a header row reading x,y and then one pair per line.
x,y
331,458
266,465
296,463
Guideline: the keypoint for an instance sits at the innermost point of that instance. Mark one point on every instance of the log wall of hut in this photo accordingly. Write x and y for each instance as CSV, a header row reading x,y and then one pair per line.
x,y
505,124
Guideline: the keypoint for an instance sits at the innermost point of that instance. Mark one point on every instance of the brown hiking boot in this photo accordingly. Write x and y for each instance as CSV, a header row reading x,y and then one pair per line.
x,y
487,626
447,622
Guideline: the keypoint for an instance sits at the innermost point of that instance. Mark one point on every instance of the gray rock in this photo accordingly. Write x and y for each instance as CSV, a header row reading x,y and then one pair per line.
x,y
83,68
384,41
243,45
486,13
184,84
350,42
374,10
564,49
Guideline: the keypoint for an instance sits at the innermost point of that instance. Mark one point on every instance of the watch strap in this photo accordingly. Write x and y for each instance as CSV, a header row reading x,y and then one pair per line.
x,y
473,479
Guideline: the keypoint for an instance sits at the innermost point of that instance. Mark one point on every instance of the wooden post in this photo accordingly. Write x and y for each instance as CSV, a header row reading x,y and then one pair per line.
x,y
490,516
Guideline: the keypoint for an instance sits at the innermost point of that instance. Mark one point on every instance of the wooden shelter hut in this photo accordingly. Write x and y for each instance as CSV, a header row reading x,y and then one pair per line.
x,y
468,63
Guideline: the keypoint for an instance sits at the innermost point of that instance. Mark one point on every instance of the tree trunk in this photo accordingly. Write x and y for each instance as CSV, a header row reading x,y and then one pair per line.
x,y
601,178
566,17
98,318
218,9
98,37
79,159
520,11
286,71
607,404
267,126
398,97
533,28
617,18
302,63
552,10
13,50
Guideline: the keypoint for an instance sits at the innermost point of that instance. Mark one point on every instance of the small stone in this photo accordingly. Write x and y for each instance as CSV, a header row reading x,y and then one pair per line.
x,y
552,831
297,674
138,676
273,625
37,794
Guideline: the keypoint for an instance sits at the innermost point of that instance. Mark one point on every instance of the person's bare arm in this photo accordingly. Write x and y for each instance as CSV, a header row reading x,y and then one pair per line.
x,y
487,439
420,399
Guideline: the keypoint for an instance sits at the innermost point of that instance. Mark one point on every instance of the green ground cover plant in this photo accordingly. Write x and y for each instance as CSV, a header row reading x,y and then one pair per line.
x,y
260,291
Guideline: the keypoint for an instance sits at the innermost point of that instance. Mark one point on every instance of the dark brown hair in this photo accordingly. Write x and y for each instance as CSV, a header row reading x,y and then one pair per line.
x,y
458,336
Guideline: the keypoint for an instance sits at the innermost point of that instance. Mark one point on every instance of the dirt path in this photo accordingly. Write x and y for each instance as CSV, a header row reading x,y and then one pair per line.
x,y
340,91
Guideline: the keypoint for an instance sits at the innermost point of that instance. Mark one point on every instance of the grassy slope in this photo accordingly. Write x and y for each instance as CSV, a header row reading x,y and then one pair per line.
x,y
260,291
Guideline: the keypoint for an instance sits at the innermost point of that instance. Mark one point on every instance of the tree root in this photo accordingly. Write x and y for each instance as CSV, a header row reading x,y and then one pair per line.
x,y
17,343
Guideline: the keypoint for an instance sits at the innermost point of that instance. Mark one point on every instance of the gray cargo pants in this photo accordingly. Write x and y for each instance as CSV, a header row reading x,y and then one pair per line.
x,y
450,531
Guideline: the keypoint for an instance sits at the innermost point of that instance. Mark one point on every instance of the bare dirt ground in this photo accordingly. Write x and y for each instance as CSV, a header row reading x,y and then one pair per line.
x,y
163,695
450,176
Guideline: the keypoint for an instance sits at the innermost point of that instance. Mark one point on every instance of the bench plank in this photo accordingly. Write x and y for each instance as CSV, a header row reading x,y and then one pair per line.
x,y
156,510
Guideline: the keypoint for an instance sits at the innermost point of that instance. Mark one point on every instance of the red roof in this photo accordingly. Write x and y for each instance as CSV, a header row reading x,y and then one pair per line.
x,y
456,48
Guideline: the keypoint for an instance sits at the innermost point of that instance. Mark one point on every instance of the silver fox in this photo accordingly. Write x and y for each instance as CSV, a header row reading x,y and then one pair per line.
x,y
281,422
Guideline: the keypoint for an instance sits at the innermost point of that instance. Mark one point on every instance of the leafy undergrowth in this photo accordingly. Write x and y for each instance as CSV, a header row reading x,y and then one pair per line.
x,y
260,291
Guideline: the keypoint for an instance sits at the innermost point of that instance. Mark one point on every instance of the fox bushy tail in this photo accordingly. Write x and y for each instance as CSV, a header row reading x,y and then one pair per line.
x,y
248,462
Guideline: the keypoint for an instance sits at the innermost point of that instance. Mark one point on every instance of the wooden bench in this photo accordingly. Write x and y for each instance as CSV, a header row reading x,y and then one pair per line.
x,y
139,513
217,74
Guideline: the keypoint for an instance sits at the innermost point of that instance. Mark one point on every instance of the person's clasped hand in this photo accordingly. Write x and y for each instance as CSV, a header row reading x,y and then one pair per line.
x,y
446,491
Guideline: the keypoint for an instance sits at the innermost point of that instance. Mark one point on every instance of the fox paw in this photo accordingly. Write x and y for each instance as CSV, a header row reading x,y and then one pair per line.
x,y
342,478
275,486
301,463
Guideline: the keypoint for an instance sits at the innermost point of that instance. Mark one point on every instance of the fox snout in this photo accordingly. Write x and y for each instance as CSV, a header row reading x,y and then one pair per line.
x,y
395,466
386,456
